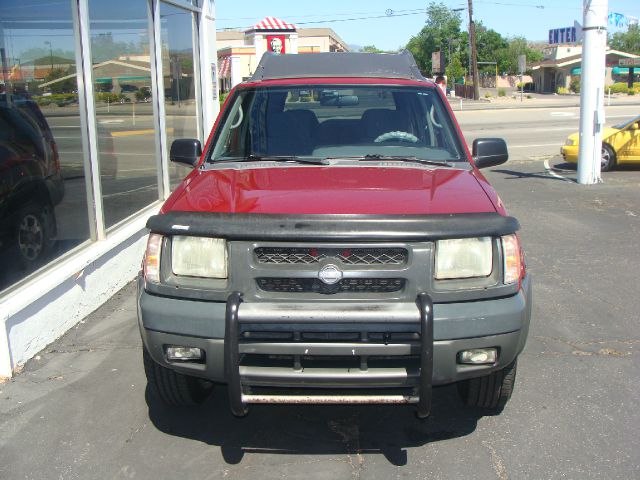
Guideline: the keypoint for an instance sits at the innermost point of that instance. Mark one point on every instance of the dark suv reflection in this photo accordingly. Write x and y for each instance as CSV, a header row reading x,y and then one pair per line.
x,y
30,183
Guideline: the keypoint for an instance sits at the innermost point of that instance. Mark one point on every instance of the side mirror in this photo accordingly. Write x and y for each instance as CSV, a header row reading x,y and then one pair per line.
x,y
186,151
489,152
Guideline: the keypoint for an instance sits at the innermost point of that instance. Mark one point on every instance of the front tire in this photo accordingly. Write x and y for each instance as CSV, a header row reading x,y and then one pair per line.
x,y
173,388
607,158
491,392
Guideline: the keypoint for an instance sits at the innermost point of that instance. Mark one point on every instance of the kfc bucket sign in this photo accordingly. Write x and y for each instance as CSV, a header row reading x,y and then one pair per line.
x,y
275,43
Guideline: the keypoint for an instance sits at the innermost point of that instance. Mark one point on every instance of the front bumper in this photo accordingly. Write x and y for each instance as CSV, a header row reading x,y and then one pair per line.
x,y
569,153
419,346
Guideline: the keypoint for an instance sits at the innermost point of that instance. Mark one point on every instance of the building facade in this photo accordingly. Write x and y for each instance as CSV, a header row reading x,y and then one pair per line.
x,y
561,65
92,94
239,52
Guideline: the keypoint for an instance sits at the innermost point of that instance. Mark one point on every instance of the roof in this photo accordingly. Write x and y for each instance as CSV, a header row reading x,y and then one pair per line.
x,y
565,61
371,65
322,32
272,23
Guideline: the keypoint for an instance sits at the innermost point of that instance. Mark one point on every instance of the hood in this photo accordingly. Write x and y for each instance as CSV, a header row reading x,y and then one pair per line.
x,y
332,190
606,133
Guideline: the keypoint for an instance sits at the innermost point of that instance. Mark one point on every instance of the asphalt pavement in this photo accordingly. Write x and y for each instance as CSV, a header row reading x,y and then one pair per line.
x,y
80,408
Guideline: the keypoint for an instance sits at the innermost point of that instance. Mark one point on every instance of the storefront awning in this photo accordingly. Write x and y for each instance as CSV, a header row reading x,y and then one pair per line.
x,y
624,71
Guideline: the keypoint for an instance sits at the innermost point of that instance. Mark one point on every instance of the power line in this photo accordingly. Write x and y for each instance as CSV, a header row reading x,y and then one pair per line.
x,y
336,20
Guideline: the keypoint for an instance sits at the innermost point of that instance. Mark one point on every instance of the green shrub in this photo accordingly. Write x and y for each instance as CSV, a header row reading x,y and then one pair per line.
x,y
107,97
562,91
619,87
60,99
487,95
574,86
502,92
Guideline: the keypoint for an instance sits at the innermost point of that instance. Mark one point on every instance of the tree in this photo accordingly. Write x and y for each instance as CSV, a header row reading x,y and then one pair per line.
x,y
441,28
454,69
519,46
371,49
628,41
491,46
63,86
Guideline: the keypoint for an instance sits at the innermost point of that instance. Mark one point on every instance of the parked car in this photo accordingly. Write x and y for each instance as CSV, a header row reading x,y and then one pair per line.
x,y
30,182
341,250
620,145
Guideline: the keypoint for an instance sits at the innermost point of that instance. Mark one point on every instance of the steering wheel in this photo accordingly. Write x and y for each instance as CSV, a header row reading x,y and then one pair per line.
x,y
397,135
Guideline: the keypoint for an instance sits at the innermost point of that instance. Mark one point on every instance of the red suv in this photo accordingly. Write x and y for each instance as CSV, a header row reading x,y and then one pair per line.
x,y
334,243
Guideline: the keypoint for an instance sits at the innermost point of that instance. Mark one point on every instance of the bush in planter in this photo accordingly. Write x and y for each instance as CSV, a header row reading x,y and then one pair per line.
x,y
619,87
574,86
502,92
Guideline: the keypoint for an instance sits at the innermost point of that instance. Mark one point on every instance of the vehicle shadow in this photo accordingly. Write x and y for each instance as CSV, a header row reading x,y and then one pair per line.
x,y
518,175
316,429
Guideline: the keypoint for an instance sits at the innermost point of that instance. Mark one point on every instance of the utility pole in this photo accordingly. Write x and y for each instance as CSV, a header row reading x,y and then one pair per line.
x,y
47,42
474,54
594,45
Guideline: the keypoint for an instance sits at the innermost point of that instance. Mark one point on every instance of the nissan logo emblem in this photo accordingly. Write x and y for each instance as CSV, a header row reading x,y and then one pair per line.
x,y
330,274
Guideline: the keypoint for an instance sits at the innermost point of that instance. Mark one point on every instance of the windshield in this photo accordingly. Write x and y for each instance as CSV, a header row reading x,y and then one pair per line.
x,y
623,125
337,121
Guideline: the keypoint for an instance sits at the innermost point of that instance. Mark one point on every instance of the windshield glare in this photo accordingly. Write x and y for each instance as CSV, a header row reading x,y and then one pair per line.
x,y
322,121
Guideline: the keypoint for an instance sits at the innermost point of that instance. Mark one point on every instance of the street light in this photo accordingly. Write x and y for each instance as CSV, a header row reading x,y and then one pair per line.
x,y
47,42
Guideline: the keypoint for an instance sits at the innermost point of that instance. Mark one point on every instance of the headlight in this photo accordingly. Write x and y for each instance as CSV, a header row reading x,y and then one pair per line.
x,y
463,258
199,257
569,142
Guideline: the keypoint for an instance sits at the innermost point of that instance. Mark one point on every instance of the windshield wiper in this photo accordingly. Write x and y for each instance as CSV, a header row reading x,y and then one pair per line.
x,y
377,156
275,158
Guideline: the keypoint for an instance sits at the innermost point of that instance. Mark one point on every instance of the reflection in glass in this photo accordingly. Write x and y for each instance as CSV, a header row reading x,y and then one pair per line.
x,y
124,113
178,62
43,199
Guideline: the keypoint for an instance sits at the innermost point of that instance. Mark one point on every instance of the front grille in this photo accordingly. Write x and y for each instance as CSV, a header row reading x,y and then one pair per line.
x,y
314,285
348,256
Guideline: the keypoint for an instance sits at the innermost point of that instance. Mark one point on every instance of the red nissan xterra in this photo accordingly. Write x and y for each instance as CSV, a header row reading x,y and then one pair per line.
x,y
334,243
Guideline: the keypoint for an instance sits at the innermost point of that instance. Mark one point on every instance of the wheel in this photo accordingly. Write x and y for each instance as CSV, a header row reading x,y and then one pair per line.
x,y
174,388
35,233
492,391
607,159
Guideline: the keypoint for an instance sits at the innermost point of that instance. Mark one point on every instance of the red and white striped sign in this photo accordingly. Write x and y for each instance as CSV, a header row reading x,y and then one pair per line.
x,y
225,67
273,23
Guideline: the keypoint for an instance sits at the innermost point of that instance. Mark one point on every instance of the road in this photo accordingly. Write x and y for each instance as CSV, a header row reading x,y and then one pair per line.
x,y
81,403
533,133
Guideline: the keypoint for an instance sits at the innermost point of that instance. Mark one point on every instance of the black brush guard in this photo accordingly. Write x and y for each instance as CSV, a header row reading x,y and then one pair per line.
x,y
239,398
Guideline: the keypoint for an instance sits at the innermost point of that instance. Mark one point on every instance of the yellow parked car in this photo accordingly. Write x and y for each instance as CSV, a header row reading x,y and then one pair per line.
x,y
620,145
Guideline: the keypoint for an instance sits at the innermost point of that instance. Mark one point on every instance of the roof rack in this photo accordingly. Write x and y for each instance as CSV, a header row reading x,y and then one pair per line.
x,y
337,64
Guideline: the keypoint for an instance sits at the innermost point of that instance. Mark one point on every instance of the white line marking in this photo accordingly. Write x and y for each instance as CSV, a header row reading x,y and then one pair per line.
x,y
562,114
537,145
117,154
554,174
117,194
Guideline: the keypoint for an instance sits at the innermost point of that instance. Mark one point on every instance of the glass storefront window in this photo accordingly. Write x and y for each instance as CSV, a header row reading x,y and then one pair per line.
x,y
178,70
123,104
43,197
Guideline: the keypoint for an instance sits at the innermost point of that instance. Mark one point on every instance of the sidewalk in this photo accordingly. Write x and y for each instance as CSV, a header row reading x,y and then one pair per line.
x,y
533,100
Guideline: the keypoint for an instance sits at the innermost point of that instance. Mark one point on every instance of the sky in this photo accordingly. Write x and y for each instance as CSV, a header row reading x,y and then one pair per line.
x,y
507,17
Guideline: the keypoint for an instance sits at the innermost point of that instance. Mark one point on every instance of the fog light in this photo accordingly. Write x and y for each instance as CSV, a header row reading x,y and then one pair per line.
x,y
478,356
183,353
